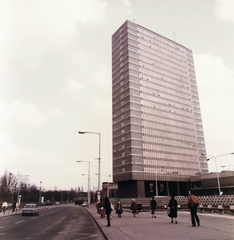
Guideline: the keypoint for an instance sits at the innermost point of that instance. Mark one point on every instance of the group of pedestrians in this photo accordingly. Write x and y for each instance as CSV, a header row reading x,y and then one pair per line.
x,y
4,206
192,204
105,207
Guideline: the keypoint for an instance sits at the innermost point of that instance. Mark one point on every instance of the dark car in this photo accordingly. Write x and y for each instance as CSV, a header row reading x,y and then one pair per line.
x,y
48,202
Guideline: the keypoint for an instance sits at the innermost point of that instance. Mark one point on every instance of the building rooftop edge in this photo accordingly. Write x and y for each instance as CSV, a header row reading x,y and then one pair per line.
x,y
152,32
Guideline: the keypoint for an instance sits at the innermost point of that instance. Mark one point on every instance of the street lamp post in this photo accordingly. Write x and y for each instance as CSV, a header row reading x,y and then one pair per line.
x,y
88,180
215,157
40,193
156,183
99,157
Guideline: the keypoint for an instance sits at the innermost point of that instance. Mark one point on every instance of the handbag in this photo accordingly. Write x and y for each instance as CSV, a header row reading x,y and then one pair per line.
x,y
112,207
168,210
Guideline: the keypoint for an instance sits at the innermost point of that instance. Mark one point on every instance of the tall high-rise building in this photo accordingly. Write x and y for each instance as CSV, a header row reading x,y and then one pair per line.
x,y
157,128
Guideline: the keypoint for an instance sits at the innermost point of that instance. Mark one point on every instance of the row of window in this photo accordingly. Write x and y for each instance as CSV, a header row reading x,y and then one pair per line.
x,y
162,133
161,73
151,107
167,112
157,60
155,48
149,35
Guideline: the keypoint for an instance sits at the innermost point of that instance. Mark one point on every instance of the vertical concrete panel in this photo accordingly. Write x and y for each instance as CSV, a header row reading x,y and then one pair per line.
x,y
140,189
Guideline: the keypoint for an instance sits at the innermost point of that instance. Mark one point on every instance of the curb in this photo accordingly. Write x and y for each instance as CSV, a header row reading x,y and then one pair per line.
x,y
103,233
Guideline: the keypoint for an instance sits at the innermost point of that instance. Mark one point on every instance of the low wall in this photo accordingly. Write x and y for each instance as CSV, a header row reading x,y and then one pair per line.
x,y
214,200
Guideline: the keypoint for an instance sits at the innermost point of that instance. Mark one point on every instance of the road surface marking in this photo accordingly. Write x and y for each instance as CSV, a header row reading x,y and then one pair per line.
x,y
19,222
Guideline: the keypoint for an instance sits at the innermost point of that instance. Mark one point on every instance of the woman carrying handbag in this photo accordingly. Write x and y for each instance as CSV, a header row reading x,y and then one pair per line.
x,y
173,209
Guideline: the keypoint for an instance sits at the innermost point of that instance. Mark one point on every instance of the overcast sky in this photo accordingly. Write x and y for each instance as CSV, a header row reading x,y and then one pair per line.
x,y
55,80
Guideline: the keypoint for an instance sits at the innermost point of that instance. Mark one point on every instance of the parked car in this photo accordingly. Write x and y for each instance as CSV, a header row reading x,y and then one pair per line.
x,y
48,202
57,203
30,209
84,204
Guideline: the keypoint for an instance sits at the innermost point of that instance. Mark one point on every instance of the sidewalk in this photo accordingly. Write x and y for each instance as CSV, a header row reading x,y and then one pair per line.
x,y
9,212
143,226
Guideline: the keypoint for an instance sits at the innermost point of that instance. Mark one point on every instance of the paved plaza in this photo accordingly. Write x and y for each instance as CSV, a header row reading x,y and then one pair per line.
x,y
143,226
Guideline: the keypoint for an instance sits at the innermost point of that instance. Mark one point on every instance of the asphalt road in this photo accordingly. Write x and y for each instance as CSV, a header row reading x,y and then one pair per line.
x,y
60,222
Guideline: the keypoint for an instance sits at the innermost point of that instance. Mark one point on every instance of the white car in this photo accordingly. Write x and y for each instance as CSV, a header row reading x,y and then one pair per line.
x,y
30,209
84,204
57,203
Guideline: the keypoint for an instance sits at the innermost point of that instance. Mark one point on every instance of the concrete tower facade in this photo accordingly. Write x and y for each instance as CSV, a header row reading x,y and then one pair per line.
x,y
157,128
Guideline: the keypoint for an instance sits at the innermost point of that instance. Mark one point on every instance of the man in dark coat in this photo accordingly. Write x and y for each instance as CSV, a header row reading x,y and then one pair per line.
x,y
153,205
13,206
119,208
107,210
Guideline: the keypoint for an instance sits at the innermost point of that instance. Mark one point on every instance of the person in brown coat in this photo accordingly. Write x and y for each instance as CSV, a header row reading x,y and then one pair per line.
x,y
134,207
193,202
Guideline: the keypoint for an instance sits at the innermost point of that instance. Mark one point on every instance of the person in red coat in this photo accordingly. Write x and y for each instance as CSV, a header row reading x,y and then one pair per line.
x,y
133,207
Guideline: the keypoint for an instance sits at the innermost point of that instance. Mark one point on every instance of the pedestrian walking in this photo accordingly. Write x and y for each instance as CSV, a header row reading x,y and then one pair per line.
x,y
13,206
133,207
108,210
193,202
153,205
102,208
1,205
4,206
173,209
119,208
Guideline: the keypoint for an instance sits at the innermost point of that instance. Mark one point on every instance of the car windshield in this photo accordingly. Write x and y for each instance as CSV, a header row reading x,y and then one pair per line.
x,y
29,206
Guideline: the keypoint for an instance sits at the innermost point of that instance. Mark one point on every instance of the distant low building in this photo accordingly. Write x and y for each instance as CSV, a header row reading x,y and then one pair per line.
x,y
207,184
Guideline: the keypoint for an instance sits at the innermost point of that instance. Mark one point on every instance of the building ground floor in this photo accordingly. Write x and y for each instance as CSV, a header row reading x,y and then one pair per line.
x,y
134,189
200,185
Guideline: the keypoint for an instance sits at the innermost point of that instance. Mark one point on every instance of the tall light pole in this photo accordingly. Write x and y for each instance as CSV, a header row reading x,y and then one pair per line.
x,y
99,157
40,193
212,156
88,181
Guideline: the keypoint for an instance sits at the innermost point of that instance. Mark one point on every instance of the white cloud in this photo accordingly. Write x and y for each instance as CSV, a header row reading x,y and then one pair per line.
x,y
224,9
102,75
72,85
214,77
216,86
127,4
56,112
19,113
31,29
101,105
91,11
